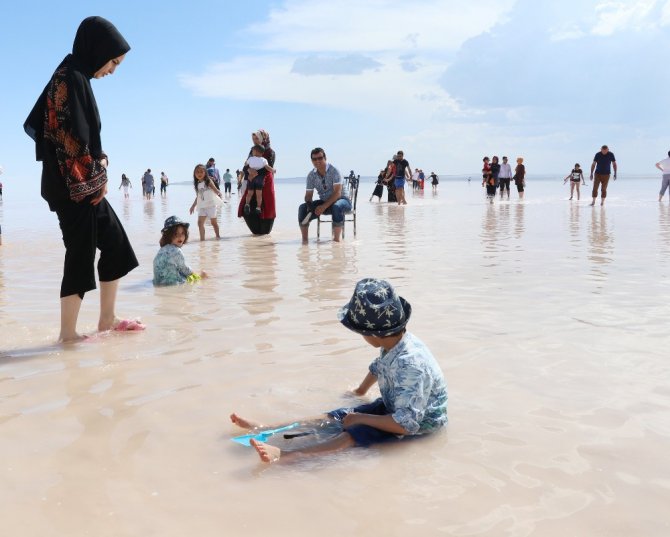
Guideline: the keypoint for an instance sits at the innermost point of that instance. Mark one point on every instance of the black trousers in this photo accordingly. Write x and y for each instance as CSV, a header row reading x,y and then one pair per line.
x,y
86,228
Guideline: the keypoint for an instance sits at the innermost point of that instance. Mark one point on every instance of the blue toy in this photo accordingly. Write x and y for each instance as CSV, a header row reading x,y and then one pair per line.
x,y
262,436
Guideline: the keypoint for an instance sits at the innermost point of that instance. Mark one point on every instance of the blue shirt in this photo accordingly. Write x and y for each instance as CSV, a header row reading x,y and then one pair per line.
x,y
412,385
325,185
170,267
603,162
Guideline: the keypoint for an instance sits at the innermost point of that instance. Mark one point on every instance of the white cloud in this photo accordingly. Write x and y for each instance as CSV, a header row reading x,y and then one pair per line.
x,y
406,44
616,16
377,25
375,91
665,14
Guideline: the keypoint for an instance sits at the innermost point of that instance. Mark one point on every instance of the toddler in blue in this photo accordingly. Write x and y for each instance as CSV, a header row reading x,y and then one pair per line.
x,y
170,267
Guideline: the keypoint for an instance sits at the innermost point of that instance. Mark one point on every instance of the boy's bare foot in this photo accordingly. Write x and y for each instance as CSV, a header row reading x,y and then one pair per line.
x,y
266,452
241,422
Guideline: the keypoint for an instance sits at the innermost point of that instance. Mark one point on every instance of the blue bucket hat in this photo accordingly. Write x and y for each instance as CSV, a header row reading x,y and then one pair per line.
x,y
375,309
173,221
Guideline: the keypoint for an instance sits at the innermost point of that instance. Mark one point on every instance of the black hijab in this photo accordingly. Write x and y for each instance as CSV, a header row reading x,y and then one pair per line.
x,y
97,42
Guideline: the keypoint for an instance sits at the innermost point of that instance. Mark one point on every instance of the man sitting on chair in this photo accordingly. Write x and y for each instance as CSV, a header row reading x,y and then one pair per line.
x,y
333,200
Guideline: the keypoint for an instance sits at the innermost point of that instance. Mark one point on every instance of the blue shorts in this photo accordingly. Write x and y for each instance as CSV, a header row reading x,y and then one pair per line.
x,y
399,183
257,183
364,435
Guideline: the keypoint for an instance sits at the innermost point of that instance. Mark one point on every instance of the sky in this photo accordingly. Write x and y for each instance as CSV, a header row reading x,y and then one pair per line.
x,y
446,81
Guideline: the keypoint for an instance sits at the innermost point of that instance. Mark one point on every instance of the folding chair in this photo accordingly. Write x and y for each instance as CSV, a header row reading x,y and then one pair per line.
x,y
349,216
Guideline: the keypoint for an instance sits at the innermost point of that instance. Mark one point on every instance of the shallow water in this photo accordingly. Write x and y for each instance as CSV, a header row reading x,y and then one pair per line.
x,y
547,316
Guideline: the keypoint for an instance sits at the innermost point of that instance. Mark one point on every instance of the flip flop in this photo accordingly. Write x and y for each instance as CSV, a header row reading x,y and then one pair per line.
x,y
128,325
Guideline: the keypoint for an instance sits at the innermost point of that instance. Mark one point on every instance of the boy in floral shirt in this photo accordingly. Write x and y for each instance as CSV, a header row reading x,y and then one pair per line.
x,y
413,390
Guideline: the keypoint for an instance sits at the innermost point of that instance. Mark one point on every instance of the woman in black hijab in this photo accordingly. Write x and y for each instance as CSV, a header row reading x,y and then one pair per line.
x,y
65,126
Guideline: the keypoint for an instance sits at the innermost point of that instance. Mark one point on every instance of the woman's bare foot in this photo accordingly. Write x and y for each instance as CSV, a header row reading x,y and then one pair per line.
x,y
71,338
108,324
241,422
266,452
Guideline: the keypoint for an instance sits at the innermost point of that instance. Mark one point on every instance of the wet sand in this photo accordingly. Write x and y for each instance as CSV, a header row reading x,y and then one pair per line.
x,y
548,317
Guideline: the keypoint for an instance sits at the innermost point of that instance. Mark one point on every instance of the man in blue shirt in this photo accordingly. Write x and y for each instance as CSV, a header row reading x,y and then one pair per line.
x,y
601,164
333,199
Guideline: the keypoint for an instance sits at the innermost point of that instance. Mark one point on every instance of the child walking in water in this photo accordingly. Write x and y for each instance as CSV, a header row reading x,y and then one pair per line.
x,y
576,177
170,267
258,163
125,183
207,199
413,390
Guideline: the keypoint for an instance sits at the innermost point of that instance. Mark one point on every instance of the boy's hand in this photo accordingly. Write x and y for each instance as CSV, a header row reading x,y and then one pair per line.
x,y
358,391
351,419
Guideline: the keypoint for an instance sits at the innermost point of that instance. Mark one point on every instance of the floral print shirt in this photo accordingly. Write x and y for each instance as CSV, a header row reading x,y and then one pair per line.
x,y
84,174
412,385
170,267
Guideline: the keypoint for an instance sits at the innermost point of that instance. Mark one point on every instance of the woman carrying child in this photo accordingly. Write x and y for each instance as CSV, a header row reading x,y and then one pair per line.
x,y
260,164
576,177
170,267
207,200
260,224
488,180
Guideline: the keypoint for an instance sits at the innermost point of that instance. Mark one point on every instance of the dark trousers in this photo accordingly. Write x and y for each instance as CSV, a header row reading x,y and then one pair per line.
x,y
86,228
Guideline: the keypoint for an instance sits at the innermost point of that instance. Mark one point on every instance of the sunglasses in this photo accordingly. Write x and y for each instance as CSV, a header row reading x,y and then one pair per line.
x,y
319,158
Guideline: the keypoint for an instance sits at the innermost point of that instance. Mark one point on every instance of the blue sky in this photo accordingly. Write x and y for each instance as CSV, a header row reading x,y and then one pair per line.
x,y
446,81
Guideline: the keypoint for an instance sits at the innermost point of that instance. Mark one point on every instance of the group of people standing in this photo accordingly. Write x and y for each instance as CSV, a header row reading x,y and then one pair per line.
x,y
499,175
148,186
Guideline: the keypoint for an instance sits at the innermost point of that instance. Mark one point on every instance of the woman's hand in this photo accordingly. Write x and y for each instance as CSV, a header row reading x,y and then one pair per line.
x,y
101,194
190,211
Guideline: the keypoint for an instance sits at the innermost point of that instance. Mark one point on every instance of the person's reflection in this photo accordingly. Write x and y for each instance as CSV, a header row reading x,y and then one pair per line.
x,y
489,236
324,271
601,246
164,208
519,223
573,226
258,259
149,212
127,209
101,451
395,234
664,228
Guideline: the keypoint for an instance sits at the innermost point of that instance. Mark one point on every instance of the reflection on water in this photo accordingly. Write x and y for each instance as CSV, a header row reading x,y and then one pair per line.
x,y
127,209
258,261
323,269
96,411
575,214
601,246
664,229
149,213
519,224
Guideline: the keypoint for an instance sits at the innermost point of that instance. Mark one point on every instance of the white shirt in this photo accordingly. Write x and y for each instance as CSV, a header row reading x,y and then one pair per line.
x,y
505,171
257,162
665,164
